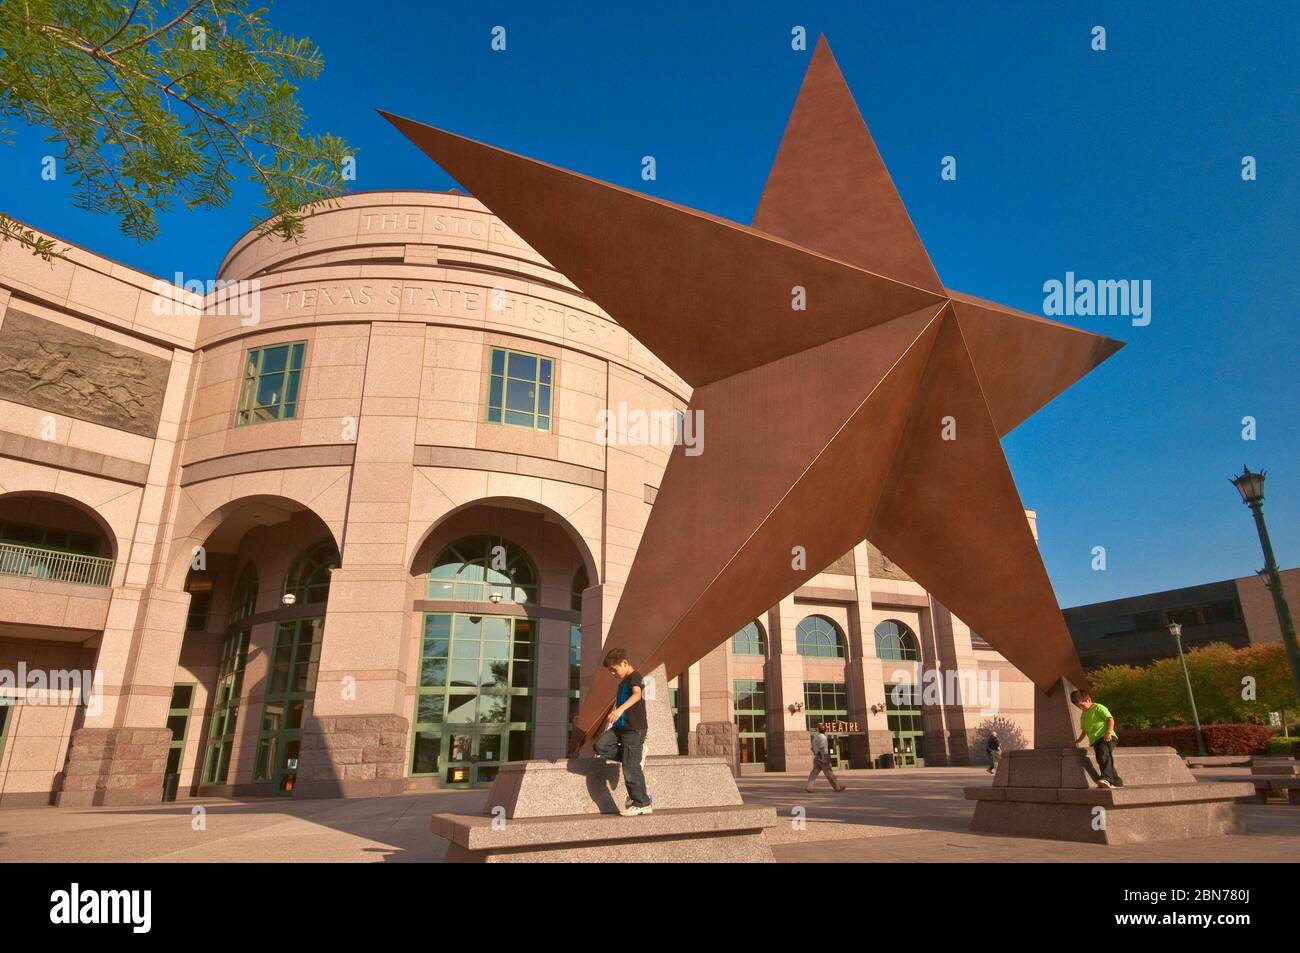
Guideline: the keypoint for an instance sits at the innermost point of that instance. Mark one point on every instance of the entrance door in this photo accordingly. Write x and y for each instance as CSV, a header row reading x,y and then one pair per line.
x,y
472,756
904,714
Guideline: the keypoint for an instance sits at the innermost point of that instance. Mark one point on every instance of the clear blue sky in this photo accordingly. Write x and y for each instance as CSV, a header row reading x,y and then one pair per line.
x,y
1120,164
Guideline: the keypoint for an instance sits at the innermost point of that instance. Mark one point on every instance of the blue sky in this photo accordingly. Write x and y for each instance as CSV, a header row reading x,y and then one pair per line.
x,y
1117,164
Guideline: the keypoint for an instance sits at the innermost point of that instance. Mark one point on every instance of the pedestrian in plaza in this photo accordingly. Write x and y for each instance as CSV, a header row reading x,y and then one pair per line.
x,y
994,749
623,739
821,752
1098,726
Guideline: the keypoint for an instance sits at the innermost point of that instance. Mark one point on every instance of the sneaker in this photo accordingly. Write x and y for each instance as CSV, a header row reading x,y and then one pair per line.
x,y
840,788
809,790
636,809
1103,783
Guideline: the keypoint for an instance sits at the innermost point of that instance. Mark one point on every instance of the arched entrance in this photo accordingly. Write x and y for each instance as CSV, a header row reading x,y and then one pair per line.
x,y
499,646
259,588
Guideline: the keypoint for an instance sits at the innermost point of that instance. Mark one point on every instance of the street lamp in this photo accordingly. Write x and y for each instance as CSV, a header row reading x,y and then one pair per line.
x,y
1251,487
1176,630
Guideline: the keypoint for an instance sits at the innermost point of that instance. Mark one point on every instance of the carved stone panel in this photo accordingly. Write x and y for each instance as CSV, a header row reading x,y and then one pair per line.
x,y
882,567
51,367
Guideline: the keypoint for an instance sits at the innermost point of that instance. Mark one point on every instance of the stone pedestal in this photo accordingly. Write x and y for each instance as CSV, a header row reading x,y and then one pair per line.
x,y
566,810
352,756
1052,793
717,739
114,766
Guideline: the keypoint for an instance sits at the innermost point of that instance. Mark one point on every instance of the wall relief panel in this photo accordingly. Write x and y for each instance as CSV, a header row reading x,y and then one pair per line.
x,y
51,367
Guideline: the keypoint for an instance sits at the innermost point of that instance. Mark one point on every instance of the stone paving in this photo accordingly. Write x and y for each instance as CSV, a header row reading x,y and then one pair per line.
x,y
883,817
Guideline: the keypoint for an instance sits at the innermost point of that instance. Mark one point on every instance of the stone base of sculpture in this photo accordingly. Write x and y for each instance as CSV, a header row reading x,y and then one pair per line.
x,y
1052,793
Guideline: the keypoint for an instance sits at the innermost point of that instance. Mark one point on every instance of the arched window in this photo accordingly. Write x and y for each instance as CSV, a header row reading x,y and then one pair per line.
x,y
749,641
477,568
243,602
896,641
580,585
818,637
308,579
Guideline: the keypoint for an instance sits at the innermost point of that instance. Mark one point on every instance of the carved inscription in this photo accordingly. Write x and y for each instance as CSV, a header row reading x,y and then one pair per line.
x,y
50,367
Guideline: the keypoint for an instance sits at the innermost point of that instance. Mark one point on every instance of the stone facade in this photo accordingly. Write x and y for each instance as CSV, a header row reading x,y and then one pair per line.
x,y
156,542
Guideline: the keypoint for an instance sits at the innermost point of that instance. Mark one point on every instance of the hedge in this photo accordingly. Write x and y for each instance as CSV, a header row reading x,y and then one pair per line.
x,y
1219,739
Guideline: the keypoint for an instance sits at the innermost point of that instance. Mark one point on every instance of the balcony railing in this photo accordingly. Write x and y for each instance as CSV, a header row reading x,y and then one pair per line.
x,y
54,564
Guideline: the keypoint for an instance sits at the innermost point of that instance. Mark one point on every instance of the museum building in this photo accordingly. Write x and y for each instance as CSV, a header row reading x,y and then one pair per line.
x,y
356,522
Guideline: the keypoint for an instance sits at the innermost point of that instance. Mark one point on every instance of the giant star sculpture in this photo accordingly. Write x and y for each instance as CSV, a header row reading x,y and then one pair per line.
x,y
874,414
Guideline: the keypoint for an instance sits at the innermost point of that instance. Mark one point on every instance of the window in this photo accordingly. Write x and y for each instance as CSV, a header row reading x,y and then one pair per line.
x,y
476,568
749,641
751,719
474,700
225,708
199,586
896,641
905,717
178,720
6,716
230,679
309,577
519,390
291,688
271,378
818,637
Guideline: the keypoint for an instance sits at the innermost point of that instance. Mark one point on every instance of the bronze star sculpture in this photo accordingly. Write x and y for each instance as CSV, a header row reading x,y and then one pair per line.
x,y
874,413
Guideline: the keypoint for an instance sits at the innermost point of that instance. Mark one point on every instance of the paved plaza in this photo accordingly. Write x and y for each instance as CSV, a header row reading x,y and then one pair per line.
x,y
884,816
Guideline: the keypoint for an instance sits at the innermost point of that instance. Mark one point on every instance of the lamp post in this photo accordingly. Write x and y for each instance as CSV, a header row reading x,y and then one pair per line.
x,y
1251,487
1176,630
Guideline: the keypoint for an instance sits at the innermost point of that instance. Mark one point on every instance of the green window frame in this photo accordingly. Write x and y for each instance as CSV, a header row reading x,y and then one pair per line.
x,y
308,579
7,708
818,637
750,711
473,570
225,707
897,642
825,701
178,720
474,696
272,383
521,389
45,537
575,669
905,717
290,691
749,641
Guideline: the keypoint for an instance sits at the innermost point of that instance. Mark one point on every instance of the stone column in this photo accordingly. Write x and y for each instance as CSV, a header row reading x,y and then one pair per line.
x,y
355,743
119,754
788,738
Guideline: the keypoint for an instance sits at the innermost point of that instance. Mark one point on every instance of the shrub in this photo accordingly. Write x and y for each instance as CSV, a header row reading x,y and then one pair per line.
x,y
1219,739
1284,747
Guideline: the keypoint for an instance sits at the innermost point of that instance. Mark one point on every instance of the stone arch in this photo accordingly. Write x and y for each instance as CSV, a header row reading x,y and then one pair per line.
x,y
236,516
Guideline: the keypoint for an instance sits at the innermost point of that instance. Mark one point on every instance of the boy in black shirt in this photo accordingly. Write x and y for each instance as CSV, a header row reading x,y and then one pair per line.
x,y
624,736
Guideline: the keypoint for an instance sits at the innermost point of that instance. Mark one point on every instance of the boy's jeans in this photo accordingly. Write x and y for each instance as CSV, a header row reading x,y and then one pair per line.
x,y
626,745
1105,751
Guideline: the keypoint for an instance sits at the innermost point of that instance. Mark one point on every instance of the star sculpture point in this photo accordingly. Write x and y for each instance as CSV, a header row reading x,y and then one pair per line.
x,y
873,414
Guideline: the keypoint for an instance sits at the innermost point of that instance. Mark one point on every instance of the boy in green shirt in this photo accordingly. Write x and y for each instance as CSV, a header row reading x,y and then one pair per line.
x,y
1098,726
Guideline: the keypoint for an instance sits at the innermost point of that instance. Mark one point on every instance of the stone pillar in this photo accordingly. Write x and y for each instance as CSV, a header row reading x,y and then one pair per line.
x,y
788,738
119,754
361,686
717,739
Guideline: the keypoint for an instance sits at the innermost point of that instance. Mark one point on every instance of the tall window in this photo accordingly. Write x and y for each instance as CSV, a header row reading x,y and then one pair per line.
x,y
178,720
291,687
225,707
749,641
905,717
575,643
230,679
6,711
271,378
896,641
199,586
474,701
751,720
476,568
309,577
519,391
818,637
